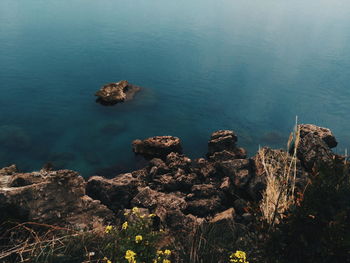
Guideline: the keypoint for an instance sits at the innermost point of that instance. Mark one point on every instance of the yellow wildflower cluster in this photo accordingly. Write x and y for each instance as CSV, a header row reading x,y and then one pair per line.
x,y
138,238
162,256
238,257
130,256
125,225
108,229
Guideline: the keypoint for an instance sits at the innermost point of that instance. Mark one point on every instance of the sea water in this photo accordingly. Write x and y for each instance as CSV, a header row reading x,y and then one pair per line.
x,y
246,65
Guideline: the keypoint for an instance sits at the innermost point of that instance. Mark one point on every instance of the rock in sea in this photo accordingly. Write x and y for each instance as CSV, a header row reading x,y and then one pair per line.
x,y
113,93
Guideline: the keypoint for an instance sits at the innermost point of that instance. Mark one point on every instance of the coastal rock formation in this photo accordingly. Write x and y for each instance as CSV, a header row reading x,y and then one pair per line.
x,y
158,146
323,133
113,93
211,193
115,193
51,197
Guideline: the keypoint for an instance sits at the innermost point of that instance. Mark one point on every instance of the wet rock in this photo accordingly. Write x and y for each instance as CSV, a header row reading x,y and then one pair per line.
x,y
157,147
222,140
51,197
115,193
323,133
113,93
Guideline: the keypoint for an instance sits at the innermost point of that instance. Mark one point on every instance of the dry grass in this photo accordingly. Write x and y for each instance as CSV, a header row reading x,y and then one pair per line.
x,y
280,168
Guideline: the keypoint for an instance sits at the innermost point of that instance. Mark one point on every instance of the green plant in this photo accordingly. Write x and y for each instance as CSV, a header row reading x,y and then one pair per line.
x,y
135,241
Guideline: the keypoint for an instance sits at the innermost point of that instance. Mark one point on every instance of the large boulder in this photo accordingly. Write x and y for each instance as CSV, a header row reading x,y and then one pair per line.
x,y
115,193
51,197
157,147
323,133
313,151
113,93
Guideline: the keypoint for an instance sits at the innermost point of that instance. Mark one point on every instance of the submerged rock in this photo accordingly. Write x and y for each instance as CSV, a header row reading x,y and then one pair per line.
x,y
113,93
157,147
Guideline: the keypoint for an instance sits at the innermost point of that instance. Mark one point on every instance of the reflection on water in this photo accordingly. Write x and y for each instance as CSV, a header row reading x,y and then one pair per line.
x,y
250,66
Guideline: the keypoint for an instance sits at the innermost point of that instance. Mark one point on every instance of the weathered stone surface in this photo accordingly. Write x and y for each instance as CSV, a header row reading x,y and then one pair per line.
x,y
222,140
204,169
115,193
239,170
152,199
313,151
157,147
178,161
236,153
204,207
323,133
113,93
54,197
12,169
227,215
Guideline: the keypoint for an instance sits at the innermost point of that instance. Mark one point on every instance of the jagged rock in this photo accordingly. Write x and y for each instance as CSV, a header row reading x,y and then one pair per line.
x,y
178,161
323,133
227,215
239,170
203,168
236,153
12,169
113,93
204,207
157,147
313,151
204,190
222,140
152,199
51,197
115,193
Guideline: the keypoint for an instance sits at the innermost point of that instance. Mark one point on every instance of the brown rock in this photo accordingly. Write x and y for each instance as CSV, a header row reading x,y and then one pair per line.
x,y
325,134
222,140
55,197
157,147
113,93
115,193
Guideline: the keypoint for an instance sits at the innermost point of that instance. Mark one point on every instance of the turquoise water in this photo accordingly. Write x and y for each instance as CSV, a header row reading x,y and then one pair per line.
x,y
250,66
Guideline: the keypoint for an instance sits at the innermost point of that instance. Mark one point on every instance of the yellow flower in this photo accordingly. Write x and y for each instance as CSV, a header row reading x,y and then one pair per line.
x,y
167,252
166,261
238,257
151,215
142,216
108,229
159,252
126,213
107,260
125,225
135,210
138,238
130,256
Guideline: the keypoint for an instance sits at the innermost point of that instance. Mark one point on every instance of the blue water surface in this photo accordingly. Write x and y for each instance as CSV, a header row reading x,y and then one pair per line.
x,y
204,65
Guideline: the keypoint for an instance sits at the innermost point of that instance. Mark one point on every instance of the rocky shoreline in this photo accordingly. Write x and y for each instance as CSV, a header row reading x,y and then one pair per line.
x,y
183,193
